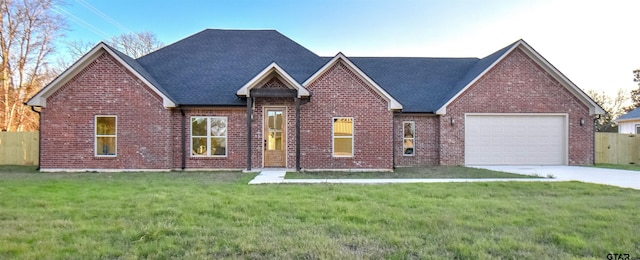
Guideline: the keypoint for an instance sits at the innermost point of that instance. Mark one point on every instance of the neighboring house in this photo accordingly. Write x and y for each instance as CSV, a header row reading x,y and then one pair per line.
x,y
250,99
629,123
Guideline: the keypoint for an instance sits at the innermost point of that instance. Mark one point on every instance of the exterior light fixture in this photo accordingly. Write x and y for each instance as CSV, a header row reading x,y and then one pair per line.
x,y
582,121
453,121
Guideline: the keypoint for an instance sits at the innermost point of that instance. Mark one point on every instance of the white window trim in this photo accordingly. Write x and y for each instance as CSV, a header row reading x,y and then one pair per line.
x,y
413,128
95,137
208,137
333,137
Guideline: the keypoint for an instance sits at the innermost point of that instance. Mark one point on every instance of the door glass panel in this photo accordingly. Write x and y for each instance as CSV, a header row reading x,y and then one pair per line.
x,y
271,119
274,131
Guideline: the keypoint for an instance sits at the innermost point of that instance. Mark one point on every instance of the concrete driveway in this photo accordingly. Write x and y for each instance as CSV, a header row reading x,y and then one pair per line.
x,y
620,178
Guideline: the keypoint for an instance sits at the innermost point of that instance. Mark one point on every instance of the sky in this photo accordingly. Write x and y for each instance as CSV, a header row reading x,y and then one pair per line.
x,y
594,43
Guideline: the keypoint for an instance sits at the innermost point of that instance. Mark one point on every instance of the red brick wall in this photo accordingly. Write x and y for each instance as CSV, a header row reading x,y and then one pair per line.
x,y
105,88
427,145
516,85
340,93
236,149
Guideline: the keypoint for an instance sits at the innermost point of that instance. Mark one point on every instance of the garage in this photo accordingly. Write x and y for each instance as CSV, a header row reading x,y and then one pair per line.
x,y
516,139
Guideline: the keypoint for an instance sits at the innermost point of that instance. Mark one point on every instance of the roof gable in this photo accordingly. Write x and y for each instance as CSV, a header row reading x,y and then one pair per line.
x,y
487,63
393,104
40,98
265,74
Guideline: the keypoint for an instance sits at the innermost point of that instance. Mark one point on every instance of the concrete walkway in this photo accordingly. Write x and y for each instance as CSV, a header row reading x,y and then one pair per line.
x,y
274,176
613,177
619,178
269,176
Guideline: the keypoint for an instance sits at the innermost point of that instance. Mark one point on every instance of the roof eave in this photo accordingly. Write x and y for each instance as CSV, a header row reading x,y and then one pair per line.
x,y
266,72
594,108
443,109
40,99
626,120
393,104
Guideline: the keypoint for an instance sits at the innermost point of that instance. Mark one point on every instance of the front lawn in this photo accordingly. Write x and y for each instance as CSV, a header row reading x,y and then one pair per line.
x,y
206,215
427,172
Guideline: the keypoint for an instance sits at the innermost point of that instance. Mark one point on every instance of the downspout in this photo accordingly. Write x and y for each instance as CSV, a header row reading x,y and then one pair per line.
x,y
249,134
184,139
393,141
594,138
39,136
297,134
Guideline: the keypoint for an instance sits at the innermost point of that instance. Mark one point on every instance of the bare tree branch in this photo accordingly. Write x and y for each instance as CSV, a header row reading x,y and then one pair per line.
x,y
27,31
137,44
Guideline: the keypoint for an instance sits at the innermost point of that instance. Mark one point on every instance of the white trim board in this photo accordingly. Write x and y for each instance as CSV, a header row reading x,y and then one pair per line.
x,y
393,104
594,108
265,73
40,99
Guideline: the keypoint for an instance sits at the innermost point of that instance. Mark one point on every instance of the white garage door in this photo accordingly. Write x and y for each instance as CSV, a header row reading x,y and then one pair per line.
x,y
513,139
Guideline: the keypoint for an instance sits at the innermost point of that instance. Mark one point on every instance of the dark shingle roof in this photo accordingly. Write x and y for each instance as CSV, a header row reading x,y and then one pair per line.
x,y
419,84
209,67
633,114
425,84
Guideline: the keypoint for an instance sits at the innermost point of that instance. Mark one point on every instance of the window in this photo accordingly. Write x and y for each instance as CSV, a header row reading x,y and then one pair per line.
x,y
637,129
106,135
408,138
209,136
343,137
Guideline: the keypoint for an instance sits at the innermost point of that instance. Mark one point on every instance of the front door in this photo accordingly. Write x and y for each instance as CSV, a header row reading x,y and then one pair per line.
x,y
274,137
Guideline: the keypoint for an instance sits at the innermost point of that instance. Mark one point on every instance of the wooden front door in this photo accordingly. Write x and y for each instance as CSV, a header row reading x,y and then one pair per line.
x,y
275,137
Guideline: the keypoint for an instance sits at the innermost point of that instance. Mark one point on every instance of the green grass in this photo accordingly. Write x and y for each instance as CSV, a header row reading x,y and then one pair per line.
x,y
632,167
427,172
18,169
201,215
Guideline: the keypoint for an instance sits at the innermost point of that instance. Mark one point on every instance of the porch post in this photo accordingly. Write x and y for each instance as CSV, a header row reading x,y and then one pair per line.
x,y
297,133
249,135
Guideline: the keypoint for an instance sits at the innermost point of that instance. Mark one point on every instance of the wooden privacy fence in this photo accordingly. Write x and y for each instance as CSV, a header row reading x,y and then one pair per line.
x,y
617,148
19,148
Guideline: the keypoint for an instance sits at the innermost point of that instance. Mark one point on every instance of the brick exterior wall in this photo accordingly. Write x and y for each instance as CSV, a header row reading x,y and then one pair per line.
x,y
105,87
516,85
427,140
340,93
236,150
150,136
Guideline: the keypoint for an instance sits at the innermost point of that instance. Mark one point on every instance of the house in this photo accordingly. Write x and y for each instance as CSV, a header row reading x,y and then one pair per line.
x,y
251,99
629,123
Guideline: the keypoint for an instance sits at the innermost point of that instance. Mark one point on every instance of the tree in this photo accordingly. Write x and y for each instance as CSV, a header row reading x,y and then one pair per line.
x,y
635,94
134,44
137,44
74,50
27,31
614,107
